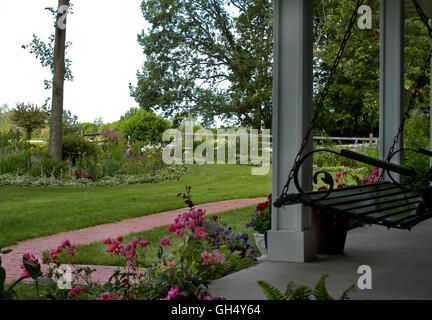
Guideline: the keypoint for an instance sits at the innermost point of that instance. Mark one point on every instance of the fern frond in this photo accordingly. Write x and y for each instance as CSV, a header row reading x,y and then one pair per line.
x,y
351,289
270,292
320,292
301,293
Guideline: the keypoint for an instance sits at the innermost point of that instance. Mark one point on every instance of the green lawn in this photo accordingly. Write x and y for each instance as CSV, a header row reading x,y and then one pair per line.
x,y
27,213
95,253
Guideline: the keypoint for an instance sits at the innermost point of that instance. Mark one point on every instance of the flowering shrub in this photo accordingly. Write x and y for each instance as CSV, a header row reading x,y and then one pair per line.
x,y
204,249
261,221
345,179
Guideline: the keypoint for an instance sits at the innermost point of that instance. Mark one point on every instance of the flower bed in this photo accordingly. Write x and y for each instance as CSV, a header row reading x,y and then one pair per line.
x,y
208,250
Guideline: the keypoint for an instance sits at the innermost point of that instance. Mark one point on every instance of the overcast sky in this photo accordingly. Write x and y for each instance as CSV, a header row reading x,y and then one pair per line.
x,y
105,55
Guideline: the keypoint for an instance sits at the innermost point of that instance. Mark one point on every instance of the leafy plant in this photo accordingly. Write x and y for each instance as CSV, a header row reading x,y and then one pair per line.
x,y
301,292
50,168
29,117
145,126
74,146
261,221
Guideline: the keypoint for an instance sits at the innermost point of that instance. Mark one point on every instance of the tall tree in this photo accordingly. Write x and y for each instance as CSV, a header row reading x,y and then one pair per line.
x,y
56,132
52,54
208,58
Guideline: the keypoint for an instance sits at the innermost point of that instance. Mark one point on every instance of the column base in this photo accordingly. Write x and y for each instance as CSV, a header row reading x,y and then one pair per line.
x,y
291,246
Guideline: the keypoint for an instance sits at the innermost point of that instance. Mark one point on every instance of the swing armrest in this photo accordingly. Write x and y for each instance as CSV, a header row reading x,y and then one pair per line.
x,y
407,171
424,152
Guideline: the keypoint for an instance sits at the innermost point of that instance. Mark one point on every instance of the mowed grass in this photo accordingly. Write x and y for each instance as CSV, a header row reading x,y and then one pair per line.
x,y
27,212
95,253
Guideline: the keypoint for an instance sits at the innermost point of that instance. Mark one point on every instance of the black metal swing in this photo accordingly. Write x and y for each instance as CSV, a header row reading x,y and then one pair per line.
x,y
390,204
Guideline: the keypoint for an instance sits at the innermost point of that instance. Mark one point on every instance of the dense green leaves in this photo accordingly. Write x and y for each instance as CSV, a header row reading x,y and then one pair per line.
x,y
145,126
208,58
214,58
302,292
29,117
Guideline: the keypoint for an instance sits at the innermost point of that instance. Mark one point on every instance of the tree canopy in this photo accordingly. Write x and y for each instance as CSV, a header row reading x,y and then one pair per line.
x,y
214,58
208,58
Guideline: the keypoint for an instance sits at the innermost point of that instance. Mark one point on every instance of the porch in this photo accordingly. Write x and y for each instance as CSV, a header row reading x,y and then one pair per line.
x,y
400,260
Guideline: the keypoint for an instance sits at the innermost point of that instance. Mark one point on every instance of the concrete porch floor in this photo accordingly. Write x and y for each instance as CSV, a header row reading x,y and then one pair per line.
x,y
401,263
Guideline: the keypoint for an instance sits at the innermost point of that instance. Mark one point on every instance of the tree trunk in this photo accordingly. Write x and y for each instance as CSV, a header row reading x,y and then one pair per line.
x,y
55,142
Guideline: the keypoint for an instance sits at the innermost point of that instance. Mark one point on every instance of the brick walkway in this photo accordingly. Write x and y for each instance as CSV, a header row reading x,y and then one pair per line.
x,y
12,261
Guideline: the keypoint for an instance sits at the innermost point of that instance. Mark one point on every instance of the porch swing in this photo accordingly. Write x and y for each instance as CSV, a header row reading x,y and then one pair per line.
x,y
390,204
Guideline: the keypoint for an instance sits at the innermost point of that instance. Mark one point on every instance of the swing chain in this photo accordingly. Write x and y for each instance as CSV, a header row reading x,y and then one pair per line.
x,y
420,82
322,97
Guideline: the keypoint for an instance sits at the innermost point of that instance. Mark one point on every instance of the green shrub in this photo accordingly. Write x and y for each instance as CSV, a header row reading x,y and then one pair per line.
x,y
89,165
74,145
50,167
18,162
111,167
146,126
417,136
13,140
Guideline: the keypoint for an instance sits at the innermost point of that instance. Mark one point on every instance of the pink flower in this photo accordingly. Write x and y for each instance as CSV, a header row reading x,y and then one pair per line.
x,y
173,292
144,243
120,239
172,263
112,248
133,243
104,296
179,233
219,259
171,228
130,264
199,232
207,262
207,298
130,254
108,241
165,241
75,291
65,243
53,254
205,255
24,274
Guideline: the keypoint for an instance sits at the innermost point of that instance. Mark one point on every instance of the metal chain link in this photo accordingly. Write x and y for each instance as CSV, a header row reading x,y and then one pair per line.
x,y
421,79
322,97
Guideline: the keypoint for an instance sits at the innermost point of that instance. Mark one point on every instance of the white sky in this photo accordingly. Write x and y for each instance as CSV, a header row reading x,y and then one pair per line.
x,y
105,55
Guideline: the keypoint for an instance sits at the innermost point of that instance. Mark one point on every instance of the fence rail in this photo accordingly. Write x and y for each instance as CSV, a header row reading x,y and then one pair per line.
x,y
371,138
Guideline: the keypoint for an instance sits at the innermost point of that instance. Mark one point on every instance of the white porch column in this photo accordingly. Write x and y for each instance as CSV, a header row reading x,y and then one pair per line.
x,y
292,237
391,75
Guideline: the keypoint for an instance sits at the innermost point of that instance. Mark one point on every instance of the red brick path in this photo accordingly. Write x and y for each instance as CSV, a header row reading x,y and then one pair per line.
x,y
11,261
